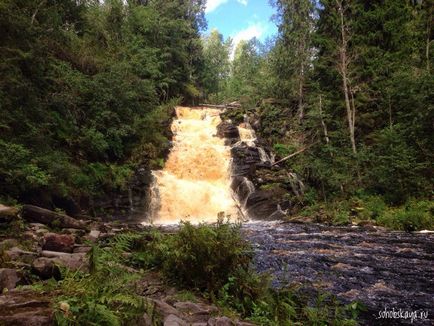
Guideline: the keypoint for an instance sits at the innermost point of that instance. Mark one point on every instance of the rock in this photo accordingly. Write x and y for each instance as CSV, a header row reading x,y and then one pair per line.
x,y
25,308
92,236
227,130
58,242
172,320
53,254
81,249
146,320
262,205
191,308
8,214
41,215
47,267
8,278
17,254
164,309
220,321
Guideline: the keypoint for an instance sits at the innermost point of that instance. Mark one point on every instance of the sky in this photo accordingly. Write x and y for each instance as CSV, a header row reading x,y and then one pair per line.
x,y
241,19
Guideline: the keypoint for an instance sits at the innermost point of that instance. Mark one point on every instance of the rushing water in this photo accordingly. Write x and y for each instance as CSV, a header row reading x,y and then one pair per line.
x,y
195,182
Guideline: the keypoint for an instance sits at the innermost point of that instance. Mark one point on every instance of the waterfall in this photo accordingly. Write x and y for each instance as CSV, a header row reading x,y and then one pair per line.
x,y
195,182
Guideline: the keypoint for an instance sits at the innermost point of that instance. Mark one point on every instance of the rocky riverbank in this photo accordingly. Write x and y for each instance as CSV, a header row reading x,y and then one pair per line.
x,y
37,246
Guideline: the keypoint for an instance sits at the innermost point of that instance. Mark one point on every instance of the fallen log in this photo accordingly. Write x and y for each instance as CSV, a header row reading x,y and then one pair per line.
x,y
289,156
35,214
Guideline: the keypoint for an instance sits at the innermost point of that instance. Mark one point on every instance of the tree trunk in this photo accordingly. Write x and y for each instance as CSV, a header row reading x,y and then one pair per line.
x,y
324,126
343,67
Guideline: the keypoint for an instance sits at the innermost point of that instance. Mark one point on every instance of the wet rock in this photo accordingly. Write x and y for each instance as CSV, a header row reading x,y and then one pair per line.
x,y
8,278
262,205
41,215
244,160
172,320
8,214
58,242
227,130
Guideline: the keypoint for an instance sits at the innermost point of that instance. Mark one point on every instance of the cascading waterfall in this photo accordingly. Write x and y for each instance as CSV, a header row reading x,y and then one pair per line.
x,y
195,182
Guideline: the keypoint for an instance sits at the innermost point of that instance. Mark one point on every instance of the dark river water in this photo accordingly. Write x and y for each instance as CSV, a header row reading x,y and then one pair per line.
x,y
383,270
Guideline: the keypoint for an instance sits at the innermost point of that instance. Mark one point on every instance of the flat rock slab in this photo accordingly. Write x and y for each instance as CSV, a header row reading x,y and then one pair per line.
x,y
376,267
25,308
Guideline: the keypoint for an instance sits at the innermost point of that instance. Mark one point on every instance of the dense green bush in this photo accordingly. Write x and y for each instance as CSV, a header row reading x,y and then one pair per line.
x,y
413,216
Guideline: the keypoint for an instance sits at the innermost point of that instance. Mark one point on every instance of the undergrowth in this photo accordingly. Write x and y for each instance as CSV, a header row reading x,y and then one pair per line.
x,y
217,262
414,215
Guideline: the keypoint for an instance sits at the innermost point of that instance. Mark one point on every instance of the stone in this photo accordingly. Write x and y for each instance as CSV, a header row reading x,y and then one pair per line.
x,y
17,254
58,242
146,320
172,320
220,321
8,278
8,214
25,308
192,308
93,236
47,267
81,249
227,130
164,308
261,204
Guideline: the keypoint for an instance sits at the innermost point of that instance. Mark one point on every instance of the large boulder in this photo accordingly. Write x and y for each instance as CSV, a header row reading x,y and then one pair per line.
x,y
58,242
37,214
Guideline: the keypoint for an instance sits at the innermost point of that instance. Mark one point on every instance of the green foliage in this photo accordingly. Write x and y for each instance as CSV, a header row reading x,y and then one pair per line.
x,y
204,257
105,296
413,216
98,79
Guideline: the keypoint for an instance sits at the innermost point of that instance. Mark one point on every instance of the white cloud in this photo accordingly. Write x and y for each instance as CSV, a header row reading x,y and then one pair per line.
x,y
243,2
212,5
255,30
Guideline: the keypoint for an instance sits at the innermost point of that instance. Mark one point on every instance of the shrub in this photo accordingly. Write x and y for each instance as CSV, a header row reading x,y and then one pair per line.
x,y
414,215
204,257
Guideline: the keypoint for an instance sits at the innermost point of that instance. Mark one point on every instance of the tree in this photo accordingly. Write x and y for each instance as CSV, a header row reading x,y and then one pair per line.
x,y
216,60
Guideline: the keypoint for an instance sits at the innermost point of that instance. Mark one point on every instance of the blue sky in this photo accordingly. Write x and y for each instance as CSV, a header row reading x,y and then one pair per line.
x,y
241,19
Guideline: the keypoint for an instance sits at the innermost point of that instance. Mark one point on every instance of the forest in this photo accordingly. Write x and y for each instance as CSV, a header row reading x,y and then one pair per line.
x,y
87,89
341,99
